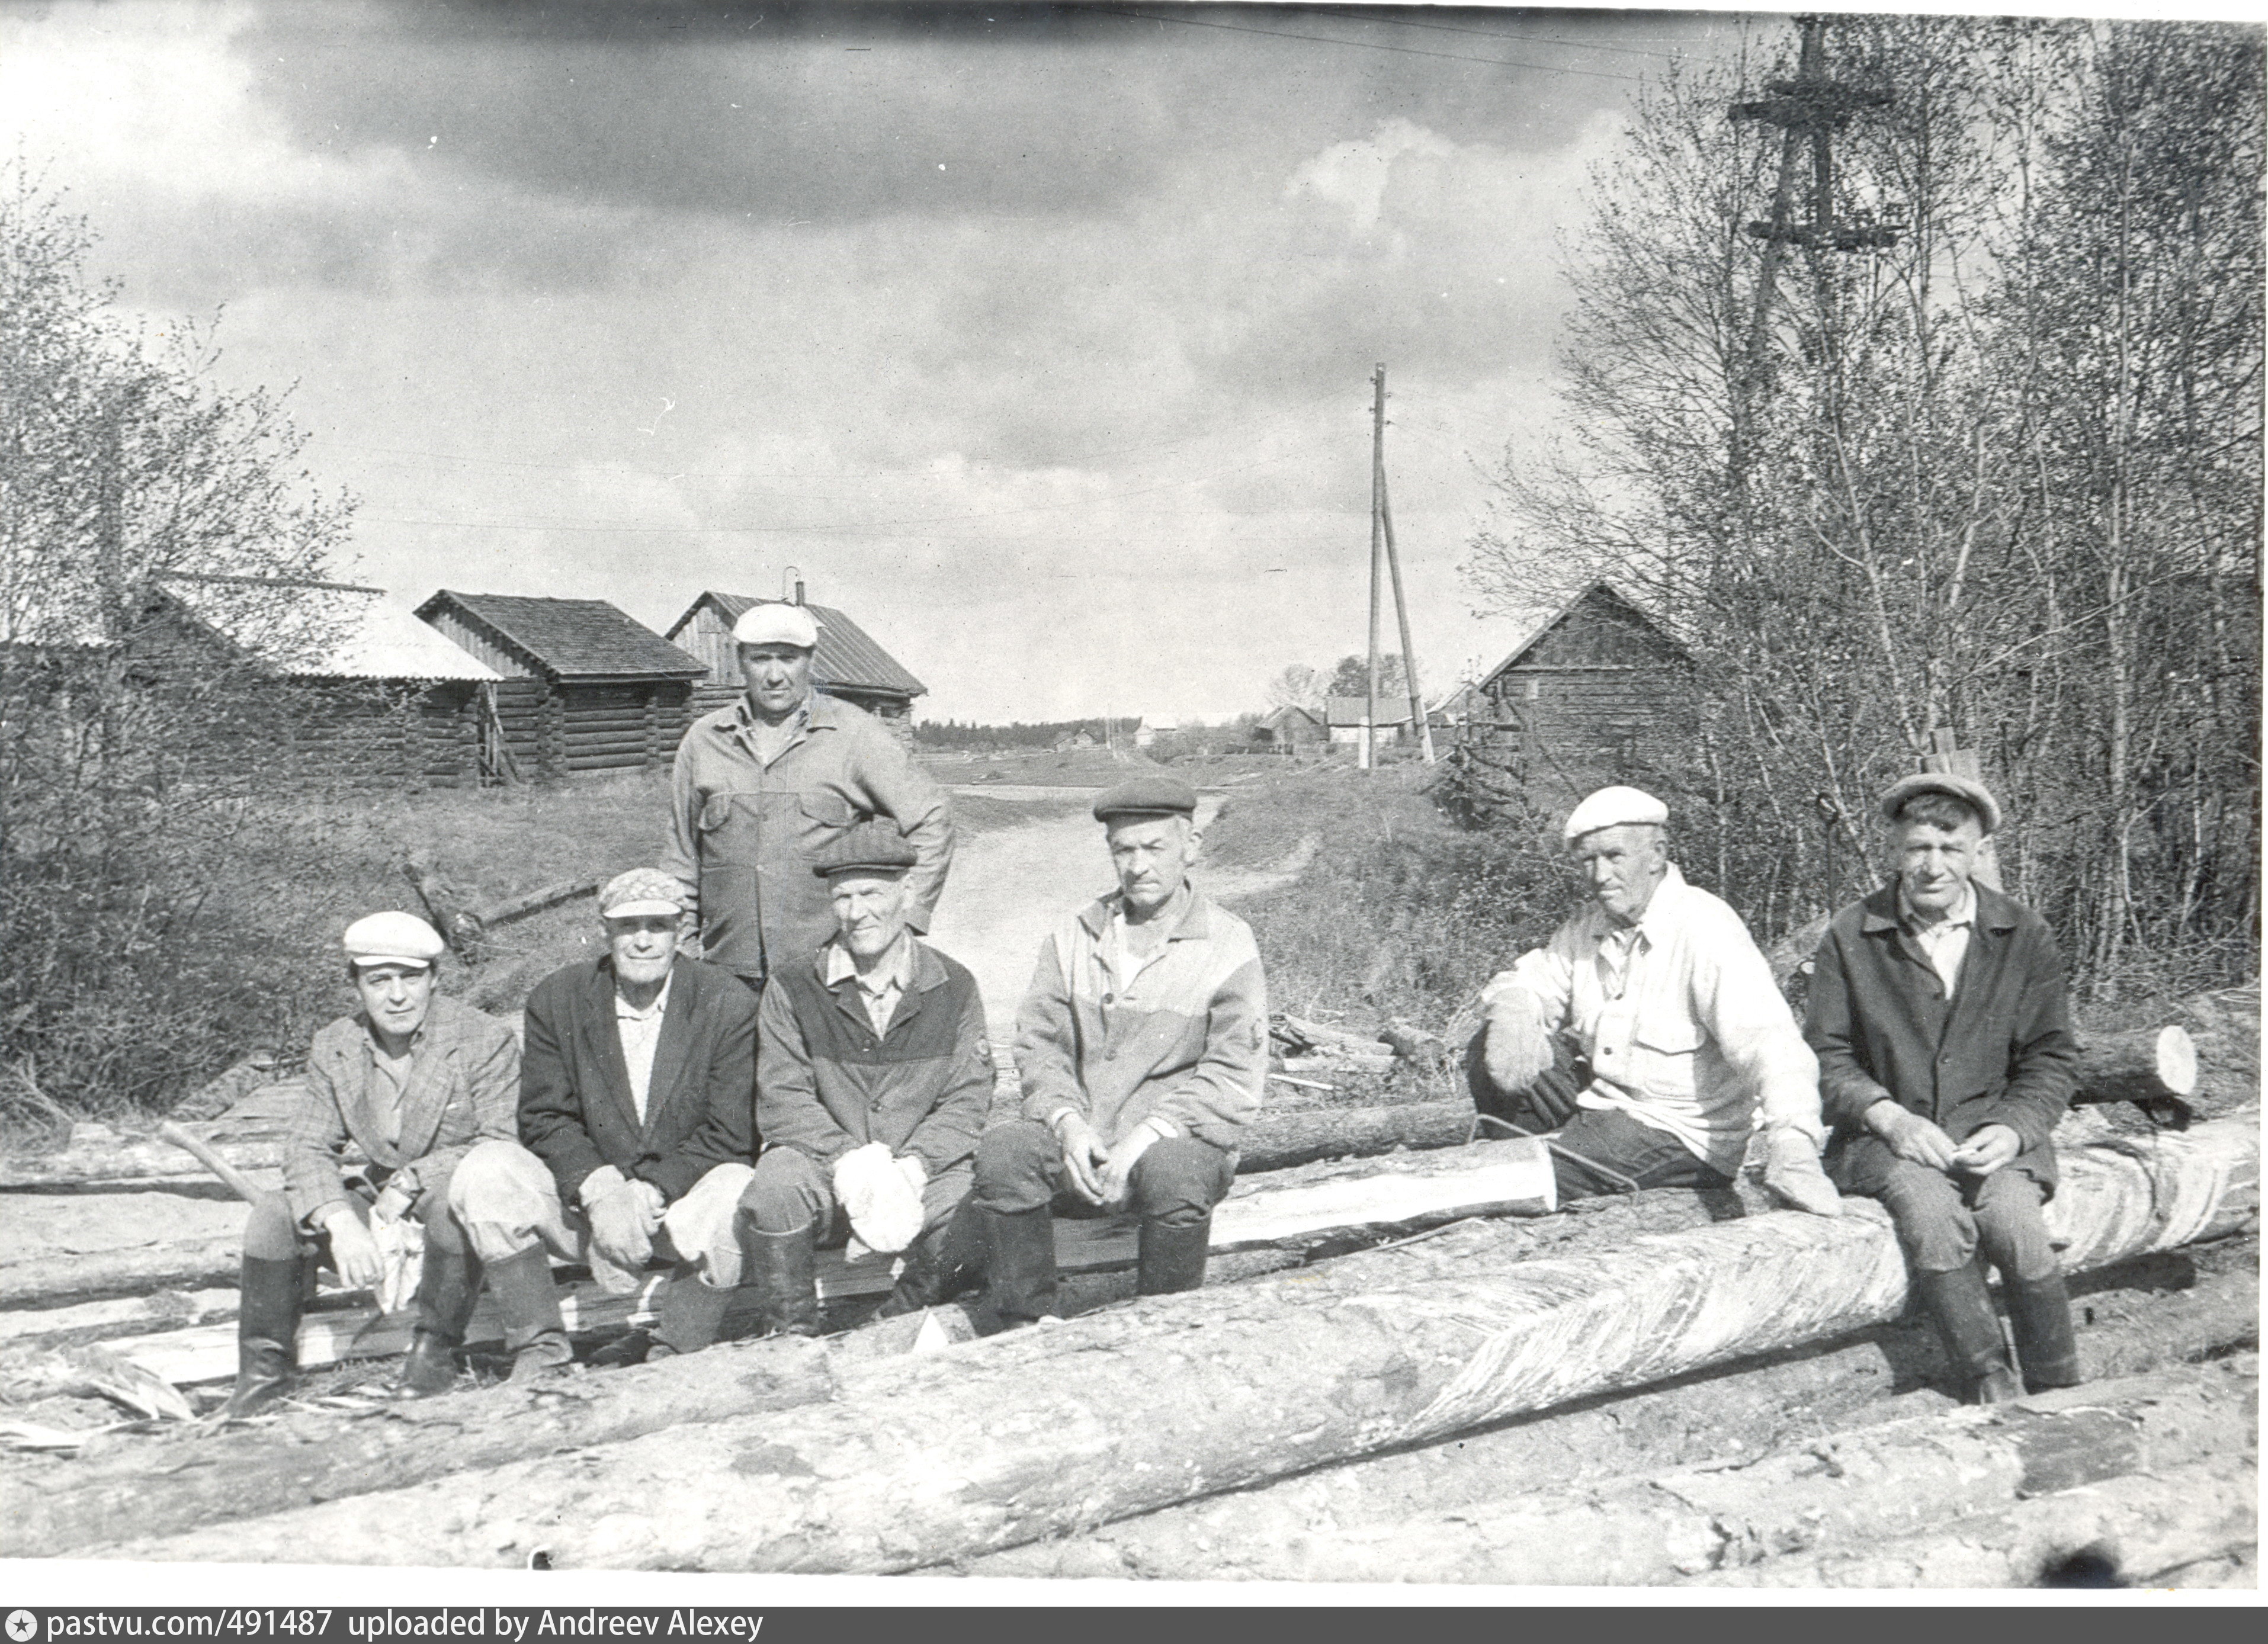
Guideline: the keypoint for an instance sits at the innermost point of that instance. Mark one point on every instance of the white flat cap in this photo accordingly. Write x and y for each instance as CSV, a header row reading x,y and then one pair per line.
x,y
776,622
392,938
1615,807
640,893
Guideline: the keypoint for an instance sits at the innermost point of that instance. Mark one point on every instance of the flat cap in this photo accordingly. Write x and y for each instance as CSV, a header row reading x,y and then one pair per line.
x,y
776,622
1963,788
392,938
871,846
1158,796
1615,807
639,892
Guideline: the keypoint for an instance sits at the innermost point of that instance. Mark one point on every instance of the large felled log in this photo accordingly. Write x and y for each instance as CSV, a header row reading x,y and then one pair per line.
x,y
2129,1531
1276,1141
2148,1066
1894,1372
1845,1492
180,1263
1040,1432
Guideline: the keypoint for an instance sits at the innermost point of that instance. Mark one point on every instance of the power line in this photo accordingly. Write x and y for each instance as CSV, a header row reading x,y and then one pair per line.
x,y
1364,44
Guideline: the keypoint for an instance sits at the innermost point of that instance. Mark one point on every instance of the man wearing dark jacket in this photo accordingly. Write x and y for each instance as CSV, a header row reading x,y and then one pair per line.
x,y
1941,1019
637,1092
873,1081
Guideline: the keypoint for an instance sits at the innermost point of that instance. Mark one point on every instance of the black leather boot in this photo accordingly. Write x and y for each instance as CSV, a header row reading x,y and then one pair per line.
x,y
784,1264
528,1301
944,1261
267,1334
2039,1311
448,1284
1172,1258
692,1314
1961,1307
1020,1263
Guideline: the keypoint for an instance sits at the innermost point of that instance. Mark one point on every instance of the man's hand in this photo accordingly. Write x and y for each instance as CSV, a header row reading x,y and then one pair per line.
x,y
1989,1147
1912,1137
354,1253
1081,1154
622,1222
392,1204
1519,1049
1118,1164
1792,1170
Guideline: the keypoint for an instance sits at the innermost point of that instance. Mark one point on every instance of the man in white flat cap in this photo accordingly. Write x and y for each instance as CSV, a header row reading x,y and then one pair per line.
x,y
759,788
1648,1030
418,1082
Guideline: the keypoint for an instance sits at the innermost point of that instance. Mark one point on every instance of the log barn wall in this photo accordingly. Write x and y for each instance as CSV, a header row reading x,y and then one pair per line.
x,y
1600,687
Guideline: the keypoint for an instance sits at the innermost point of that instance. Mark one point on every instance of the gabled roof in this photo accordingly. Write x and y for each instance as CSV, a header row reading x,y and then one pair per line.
x,y
345,633
846,654
1277,716
1548,621
572,638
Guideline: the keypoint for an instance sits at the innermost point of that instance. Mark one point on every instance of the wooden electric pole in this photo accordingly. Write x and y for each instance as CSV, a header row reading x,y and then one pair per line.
x,y
1402,613
1377,557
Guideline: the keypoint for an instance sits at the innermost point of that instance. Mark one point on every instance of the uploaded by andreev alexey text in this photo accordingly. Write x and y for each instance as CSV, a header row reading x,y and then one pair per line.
x,y
319,1625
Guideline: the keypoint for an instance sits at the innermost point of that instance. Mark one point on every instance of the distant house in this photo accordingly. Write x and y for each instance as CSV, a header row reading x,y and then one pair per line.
x,y
1343,715
1148,730
1290,728
847,664
583,686
1597,687
1073,743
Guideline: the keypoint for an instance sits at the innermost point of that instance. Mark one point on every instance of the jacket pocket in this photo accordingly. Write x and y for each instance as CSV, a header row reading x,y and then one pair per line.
x,y
826,808
714,810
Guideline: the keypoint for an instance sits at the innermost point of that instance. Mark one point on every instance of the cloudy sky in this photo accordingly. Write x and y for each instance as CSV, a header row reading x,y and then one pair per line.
x,y
1039,341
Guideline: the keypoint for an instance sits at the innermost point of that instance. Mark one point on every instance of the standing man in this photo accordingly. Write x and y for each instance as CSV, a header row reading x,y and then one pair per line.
x,y
1946,1056
638,1100
418,1082
1649,1030
1143,1045
873,1080
761,788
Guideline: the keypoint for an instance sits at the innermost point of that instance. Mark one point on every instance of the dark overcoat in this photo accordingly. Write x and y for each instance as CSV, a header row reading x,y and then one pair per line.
x,y
576,1112
1999,1052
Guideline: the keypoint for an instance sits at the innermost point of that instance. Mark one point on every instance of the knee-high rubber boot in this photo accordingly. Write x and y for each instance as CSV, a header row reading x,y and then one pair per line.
x,y
1172,1258
692,1314
2039,1311
448,1285
1962,1309
1020,1263
267,1334
946,1261
784,1265
534,1333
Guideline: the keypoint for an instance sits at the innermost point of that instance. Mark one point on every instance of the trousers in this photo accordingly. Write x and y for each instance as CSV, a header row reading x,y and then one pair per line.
x,y
1606,1137
790,1189
1944,1221
1177,1182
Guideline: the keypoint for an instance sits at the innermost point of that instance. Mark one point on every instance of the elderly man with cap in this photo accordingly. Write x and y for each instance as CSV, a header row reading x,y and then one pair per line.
x,y
873,1081
416,1081
637,1107
1143,1046
1940,1017
761,788
1649,1030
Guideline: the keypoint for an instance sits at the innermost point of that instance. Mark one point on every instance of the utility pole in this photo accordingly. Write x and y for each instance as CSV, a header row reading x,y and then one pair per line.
x,y
1377,556
1402,610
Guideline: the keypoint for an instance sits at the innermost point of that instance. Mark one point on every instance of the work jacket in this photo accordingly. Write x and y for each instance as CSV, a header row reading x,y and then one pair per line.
x,y
575,1110
826,1082
1183,1041
744,834
1999,1051
464,1083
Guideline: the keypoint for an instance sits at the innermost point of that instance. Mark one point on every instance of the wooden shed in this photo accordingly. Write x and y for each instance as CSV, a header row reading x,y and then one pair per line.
x,y
1344,715
1289,729
583,686
847,664
1597,687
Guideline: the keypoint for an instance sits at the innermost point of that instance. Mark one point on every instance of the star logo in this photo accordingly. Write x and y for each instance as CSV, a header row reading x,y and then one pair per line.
x,y
23,1626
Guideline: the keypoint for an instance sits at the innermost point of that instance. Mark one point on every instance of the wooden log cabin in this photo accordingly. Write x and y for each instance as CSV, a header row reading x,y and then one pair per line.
x,y
1596,688
847,664
583,687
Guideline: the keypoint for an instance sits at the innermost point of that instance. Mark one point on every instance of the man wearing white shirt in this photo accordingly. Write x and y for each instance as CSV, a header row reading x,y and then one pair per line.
x,y
1648,1029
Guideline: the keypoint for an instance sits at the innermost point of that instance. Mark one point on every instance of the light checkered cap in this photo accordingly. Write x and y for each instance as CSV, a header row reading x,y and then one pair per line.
x,y
1615,807
776,622
392,938
641,891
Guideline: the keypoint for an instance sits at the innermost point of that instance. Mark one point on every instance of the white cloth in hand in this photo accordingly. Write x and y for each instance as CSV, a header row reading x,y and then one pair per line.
x,y
401,1249
1792,1172
1519,1049
884,1205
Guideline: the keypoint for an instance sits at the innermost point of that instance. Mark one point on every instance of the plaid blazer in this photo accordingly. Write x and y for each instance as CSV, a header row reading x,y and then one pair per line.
x,y
464,1088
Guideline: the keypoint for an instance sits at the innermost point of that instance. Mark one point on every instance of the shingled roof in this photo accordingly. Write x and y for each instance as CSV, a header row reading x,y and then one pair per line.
x,y
846,654
572,639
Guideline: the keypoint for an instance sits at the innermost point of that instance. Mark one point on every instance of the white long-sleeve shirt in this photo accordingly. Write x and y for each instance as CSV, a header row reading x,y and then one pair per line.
x,y
1685,1030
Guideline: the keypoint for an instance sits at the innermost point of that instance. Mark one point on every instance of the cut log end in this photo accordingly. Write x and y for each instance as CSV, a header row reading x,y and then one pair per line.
x,y
2177,1060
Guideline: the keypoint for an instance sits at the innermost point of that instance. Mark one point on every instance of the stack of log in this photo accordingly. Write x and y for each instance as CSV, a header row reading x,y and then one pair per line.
x,y
1400,1371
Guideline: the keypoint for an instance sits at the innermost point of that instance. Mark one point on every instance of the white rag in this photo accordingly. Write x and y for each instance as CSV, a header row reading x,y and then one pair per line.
x,y
401,1250
881,1195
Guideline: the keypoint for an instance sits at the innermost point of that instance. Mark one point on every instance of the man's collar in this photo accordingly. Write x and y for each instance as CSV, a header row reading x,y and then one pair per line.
x,y
1659,906
817,711
1193,919
837,965
1965,912
623,1008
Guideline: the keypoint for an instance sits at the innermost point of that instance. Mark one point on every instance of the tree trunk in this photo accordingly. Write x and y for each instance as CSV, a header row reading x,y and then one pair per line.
x,y
2127,1531
930,1459
1750,1408
1274,1142
2139,1065
1834,1495
145,1267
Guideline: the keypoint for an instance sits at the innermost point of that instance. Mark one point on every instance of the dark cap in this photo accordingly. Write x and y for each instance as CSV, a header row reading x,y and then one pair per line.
x,y
871,846
1147,796
1969,791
